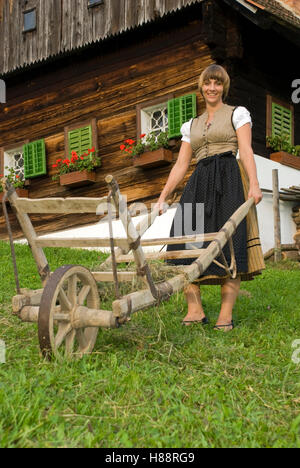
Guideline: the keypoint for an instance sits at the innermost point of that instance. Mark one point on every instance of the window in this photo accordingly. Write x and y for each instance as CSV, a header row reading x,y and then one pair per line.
x,y
92,3
28,160
162,115
29,20
14,159
155,118
280,118
81,137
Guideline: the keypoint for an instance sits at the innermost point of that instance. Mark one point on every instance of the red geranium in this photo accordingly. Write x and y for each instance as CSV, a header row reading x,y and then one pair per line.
x,y
153,141
86,161
130,142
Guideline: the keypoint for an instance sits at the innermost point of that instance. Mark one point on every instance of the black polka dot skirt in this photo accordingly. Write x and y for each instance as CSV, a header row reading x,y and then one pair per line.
x,y
212,194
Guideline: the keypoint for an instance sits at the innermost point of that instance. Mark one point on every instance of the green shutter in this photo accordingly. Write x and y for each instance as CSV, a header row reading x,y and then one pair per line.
x,y
34,159
180,110
281,121
80,140
174,117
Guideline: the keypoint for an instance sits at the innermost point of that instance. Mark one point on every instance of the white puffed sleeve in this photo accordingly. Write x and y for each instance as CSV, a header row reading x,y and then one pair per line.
x,y
186,131
241,116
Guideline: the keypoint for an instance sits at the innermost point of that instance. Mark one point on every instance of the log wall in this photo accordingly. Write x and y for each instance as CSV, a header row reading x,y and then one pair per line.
x,y
108,81
107,88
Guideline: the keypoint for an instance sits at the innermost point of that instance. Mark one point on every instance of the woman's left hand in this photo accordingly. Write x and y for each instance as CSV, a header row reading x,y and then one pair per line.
x,y
256,193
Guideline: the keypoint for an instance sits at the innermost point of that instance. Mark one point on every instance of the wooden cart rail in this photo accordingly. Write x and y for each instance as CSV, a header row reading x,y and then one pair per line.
x,y
67,309
79,205
119,241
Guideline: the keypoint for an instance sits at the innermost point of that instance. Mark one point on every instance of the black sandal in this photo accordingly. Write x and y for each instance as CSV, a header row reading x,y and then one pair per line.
x,y
204,321
219,327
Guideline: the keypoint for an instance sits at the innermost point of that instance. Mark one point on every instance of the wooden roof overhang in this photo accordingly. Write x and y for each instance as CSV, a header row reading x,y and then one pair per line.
x,y
266,14
270,14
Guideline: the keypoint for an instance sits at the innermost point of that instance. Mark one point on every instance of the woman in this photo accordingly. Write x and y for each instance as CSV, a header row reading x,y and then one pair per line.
x,y
221,185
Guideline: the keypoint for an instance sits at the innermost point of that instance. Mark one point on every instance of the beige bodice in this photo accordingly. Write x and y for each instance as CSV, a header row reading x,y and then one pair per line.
x,y
219,137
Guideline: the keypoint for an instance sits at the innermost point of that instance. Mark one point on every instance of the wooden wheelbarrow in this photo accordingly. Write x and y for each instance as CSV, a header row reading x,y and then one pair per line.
x,y
68,308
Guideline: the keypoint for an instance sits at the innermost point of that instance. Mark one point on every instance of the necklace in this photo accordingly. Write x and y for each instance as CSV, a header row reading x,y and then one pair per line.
x,y
208,124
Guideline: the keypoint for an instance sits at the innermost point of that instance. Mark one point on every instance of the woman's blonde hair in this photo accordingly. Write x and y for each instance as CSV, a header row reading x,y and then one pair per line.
x,y
215,72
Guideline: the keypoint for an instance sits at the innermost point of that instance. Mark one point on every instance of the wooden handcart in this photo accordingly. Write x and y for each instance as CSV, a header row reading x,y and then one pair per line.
x,y
68,309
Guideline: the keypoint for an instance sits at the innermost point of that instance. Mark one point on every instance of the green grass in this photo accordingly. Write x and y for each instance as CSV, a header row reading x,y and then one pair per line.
x,y
154,383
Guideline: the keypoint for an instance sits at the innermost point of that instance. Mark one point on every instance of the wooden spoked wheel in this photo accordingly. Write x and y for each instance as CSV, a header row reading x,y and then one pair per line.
x,y
69,286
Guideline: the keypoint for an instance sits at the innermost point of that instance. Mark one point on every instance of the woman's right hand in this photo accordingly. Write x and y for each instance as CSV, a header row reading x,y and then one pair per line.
x,y
176,176
161,205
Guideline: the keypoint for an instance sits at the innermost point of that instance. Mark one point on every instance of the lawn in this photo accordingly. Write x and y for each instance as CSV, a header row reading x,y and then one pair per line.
x,y
154,383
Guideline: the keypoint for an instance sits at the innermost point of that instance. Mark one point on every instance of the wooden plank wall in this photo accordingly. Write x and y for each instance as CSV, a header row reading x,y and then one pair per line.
x,y
64,25
108,90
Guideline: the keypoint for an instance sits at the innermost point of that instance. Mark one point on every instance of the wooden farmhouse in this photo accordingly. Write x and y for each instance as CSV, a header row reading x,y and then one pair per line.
x,y
109,70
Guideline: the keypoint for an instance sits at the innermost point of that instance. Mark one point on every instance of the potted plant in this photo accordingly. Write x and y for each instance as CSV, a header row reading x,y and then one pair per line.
x,y
77,170
285,153
17,181
150,150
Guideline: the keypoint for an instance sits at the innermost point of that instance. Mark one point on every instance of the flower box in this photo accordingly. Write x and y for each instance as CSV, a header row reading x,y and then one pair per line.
x,y
286,158
22,193
77,179
160,157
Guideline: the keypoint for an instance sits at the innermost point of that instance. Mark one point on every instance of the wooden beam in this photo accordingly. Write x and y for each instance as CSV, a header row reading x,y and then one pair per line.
x,y
276,213
107,276
30,234
179,239
62,205
163,255
80,242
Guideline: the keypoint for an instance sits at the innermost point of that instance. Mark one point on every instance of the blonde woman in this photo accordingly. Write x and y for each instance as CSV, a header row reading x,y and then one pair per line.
x,y
220,184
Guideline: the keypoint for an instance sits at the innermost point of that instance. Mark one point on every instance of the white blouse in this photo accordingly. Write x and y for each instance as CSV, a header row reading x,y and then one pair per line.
x,y
241,116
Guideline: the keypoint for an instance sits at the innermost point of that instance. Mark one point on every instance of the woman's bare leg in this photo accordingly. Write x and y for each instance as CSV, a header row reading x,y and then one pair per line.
x,y
229,292
193,298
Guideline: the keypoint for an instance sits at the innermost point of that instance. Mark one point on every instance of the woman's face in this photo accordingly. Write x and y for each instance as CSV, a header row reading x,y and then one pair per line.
x,y
212,91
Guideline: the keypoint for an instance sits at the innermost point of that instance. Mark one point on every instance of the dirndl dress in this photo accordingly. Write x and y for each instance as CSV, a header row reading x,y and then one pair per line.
x,y
218,187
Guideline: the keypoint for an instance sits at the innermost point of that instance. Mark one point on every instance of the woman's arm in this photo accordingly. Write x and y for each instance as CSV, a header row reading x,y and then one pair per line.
x,y
177,173
244,135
